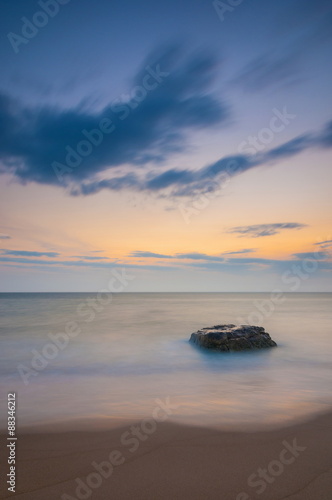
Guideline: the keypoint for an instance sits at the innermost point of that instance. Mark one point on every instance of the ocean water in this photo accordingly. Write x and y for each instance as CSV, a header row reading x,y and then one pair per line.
x,y
128,350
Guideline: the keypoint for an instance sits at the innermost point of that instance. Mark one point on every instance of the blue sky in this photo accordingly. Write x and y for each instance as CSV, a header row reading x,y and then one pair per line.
x,y
144,134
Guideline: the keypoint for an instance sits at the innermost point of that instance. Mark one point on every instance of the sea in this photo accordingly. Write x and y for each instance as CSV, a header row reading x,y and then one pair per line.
x,y
106,358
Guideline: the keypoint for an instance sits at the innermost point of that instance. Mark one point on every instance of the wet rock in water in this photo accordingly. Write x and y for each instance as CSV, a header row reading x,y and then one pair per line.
x,y
232,338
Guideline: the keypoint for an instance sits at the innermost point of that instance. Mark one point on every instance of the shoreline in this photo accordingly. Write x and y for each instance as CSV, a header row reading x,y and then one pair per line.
x,y
110,424
175,461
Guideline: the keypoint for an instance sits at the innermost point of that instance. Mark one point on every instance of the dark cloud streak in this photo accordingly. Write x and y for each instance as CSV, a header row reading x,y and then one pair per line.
x,y
186,182
260,230
27,253
145,128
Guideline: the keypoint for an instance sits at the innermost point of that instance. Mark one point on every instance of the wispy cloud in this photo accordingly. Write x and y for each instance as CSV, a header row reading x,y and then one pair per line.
x,y
309,24
324,243
268,70
187,182
26,253
89,257
199,256
139,253
4,236
180,261
312,255
79,263
178,256
243,251
260,230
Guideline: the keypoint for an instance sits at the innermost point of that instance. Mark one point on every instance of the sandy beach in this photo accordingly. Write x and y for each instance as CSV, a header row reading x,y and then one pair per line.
x,y
171,461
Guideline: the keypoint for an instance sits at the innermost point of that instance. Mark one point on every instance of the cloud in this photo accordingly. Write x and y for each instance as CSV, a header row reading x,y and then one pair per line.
x,y
31,139
222,263
115,184
178,256
199,256
324,243
176,99
267,70
195,256
326,137
312,255
245,250
301,27
170,178
81,263
259,230
217,263
4,236
294,147
26,253
180,182
139,253
89,257
256,265
186,182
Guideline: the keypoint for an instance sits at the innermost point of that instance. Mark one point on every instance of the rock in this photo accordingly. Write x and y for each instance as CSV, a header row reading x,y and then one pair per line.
x,y
232,338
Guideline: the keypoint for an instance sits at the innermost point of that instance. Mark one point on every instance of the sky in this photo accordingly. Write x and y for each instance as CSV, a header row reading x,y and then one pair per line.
x,y
186,144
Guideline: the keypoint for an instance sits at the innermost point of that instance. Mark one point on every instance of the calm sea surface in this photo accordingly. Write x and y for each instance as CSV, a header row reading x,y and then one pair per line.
x,y
125,353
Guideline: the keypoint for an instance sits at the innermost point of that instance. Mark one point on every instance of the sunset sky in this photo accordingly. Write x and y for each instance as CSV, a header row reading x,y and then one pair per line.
x,y
183,141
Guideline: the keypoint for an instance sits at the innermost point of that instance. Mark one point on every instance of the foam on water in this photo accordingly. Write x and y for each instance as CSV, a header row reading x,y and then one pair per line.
x,y
136,350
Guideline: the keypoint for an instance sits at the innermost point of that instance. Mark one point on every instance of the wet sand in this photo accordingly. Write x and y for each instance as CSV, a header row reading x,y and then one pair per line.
x,y
174,462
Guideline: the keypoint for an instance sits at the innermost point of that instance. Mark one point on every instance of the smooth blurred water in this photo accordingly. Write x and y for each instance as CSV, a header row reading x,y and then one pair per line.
x,y
136,349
